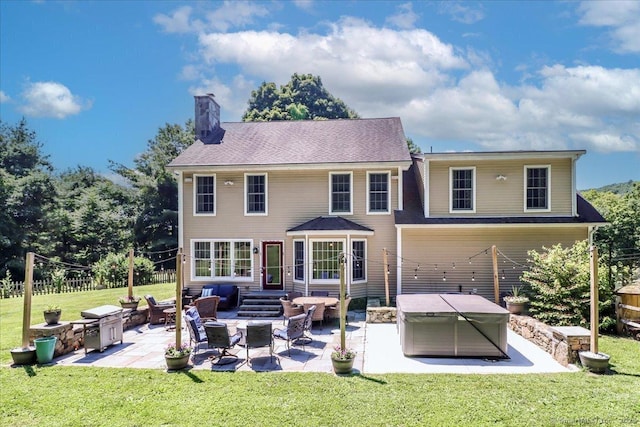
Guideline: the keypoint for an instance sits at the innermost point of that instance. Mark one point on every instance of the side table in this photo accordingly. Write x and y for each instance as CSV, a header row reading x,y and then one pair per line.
x,y
169,318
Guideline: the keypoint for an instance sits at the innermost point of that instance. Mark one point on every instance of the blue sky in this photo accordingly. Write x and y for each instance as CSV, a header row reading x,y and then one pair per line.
x,y
96,79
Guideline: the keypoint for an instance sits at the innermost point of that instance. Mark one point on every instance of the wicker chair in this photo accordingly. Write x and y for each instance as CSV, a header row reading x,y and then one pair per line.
x,y
289,309
319,293
332,313
293,295
156,310
294,331
259,335
207,307
318,313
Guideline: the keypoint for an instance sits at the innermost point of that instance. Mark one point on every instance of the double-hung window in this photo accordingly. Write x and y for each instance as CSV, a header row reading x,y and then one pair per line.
x,y
222,259
325,258
298,260
205,195
378,195
340,193
358,260
537,188
463,193
255,201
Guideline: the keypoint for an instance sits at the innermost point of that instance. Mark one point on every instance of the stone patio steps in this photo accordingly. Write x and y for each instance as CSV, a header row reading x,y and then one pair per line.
x,y
261,304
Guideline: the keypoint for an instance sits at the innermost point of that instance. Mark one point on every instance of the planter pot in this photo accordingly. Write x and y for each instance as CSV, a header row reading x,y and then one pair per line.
x,y
24,356
516,307
176,363
132,305
52,317
595,362
45,348
342,366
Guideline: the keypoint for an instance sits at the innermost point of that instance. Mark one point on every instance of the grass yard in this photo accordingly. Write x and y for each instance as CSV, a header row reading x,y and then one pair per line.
x,y
73,396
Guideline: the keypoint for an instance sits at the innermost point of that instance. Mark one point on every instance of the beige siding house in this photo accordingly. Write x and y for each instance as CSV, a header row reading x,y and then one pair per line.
x,y
278,205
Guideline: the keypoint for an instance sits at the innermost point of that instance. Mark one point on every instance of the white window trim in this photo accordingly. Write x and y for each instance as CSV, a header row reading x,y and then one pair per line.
x,y
195,195
353,280
311,280
548,168
388,211
266,195
473,190
350,193
304,256
209,278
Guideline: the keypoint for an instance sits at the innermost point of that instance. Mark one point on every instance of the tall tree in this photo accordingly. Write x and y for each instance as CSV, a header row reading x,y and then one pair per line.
x,y
156,220
303,97
26,194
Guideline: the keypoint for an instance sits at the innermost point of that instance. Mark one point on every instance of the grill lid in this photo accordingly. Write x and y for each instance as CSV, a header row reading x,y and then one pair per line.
x,y
101,311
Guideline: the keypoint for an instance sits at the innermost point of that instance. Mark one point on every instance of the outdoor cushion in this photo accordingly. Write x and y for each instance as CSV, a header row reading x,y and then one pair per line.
x,y
195,316
207,292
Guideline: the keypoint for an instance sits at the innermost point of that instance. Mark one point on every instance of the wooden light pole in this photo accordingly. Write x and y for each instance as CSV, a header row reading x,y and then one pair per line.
x,y
595,318
179,260
386,275
28,292
496,281
130,282
342,312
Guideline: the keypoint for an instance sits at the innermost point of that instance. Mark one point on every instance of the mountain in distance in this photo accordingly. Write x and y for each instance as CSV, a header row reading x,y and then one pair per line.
x,y
619,188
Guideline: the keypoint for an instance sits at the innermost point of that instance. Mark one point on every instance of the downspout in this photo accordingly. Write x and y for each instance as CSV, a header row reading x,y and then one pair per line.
x,y
574,190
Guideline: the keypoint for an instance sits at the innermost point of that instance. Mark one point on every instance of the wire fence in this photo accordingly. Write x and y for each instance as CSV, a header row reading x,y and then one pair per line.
x,y
80,284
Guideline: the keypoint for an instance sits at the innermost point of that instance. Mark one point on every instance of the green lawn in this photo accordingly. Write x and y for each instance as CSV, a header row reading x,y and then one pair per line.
x,y
74,396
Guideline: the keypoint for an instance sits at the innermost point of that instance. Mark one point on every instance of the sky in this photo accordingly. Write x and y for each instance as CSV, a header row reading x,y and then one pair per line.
x,y
97,79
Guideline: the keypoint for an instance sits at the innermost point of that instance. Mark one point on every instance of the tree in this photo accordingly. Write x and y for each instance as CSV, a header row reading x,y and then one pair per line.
x,y
303,97
27,195
156,217
413,147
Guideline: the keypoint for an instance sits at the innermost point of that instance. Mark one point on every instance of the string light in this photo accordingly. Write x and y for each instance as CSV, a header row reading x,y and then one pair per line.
x,y
473,276
444,276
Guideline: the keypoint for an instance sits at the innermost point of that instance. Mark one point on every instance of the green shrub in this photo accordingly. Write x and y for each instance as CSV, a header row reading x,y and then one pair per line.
x,y
559,283
113,270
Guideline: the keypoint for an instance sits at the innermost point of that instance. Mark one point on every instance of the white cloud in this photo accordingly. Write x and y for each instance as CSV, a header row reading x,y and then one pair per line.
x,y
461,13
623,17
441,92
231,14
405,18
4,97
51,99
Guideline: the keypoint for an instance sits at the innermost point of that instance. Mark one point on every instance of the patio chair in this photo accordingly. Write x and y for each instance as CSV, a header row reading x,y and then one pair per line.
x,y
293,332
293,295
197,334
332,313
318,313
218,337
259,335
319,293
156,310
308,323
207,307
289,309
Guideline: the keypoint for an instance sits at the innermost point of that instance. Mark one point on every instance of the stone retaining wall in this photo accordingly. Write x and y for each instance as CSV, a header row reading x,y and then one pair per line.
x,y
562,342
70,336
377,314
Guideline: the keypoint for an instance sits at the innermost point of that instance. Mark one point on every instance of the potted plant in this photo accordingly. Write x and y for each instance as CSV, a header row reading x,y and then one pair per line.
x,y
130,301
342,360
516,302
52,314
177,357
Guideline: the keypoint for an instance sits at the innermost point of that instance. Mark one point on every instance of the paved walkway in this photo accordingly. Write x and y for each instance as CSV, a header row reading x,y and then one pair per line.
x,y
377,346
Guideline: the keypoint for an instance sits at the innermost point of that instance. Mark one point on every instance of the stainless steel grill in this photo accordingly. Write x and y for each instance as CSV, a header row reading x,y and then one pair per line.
x,y
105,330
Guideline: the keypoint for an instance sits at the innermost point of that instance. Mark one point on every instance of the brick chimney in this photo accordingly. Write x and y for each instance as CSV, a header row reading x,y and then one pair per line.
x,y
207,118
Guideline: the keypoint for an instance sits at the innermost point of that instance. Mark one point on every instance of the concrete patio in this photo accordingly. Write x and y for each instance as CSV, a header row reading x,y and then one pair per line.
x,y
377,346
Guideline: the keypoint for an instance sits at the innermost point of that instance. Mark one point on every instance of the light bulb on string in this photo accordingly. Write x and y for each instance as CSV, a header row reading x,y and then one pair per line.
x,y
502,274
288,270
473,276
444,276
454,265
415,274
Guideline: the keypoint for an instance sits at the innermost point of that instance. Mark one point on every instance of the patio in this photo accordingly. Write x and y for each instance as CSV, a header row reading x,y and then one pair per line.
x,y
377,346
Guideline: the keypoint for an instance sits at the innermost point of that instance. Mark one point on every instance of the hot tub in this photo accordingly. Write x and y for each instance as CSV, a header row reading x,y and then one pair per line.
x,y
451,325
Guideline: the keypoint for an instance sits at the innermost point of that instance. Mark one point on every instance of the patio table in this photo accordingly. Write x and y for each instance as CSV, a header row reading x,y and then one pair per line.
x,y
328,301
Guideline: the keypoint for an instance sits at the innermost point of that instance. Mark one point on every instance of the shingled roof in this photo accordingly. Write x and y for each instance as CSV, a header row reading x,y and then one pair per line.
x,y
301,142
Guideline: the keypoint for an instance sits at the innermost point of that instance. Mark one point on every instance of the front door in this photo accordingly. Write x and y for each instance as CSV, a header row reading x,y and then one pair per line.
x,y
272,278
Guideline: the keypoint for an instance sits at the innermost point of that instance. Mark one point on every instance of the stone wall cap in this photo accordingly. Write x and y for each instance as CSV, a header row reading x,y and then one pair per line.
x,y
572,331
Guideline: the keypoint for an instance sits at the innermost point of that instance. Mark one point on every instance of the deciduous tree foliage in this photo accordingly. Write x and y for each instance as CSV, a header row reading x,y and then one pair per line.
x,y
304,97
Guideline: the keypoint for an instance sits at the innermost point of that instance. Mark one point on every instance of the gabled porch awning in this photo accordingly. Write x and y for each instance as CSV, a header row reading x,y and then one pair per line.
x,y
330,225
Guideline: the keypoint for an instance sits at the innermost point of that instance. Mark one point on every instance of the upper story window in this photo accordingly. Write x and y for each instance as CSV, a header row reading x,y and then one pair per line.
x,y
205,195
378,195
255,194
537,190
341,196
463,193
